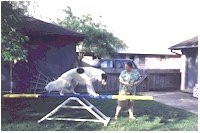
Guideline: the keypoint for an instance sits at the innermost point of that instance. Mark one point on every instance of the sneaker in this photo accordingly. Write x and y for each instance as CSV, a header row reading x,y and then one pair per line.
x,y
132,117
116,117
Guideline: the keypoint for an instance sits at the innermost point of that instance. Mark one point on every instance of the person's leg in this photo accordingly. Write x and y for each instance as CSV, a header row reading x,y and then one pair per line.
x,y
130,110
118,108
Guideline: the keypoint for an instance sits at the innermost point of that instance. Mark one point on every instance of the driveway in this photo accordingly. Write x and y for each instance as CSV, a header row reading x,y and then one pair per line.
x,y
175,99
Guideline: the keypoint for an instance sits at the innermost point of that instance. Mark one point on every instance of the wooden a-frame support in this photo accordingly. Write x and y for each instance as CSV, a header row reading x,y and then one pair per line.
x,y
85,104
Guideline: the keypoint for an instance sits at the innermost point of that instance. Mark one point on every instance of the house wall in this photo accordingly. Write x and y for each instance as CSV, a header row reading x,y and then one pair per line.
x,y
58,60
156,61
147,61
5,77
50,60
53,57
190,77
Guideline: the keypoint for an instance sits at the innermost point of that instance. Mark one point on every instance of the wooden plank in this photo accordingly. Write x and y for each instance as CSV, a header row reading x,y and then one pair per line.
x,y
51,95
21,95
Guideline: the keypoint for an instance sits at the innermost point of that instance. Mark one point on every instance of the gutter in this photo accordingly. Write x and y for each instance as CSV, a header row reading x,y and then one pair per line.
x,y
175,52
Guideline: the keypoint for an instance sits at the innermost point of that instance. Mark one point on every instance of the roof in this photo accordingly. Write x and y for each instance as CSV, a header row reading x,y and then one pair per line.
x,y
35,27
191,43
148,51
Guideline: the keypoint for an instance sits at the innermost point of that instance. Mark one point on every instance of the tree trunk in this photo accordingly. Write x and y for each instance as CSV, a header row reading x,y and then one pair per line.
x,y
11,75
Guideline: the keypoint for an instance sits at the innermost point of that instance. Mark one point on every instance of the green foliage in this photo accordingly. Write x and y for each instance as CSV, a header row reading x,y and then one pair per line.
x,y
98,41
12,41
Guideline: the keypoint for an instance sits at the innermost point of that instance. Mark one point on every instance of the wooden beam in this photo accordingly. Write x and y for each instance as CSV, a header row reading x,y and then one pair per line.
x,y
21,95
51,95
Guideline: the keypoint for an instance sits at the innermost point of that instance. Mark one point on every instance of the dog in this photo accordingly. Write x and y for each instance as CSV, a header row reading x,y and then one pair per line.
x,y
82,76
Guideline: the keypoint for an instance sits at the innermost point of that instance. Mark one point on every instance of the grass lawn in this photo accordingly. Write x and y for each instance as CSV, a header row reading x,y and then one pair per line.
x,y
22,114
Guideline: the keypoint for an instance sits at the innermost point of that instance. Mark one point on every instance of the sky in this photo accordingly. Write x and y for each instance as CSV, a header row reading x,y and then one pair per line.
x,y
146,26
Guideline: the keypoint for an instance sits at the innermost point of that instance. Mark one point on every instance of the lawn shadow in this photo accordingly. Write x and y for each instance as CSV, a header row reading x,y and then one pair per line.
x,y
165,113
31,110
23,109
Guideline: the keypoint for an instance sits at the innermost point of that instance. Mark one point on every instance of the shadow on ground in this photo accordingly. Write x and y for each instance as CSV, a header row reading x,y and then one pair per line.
x,y
151,116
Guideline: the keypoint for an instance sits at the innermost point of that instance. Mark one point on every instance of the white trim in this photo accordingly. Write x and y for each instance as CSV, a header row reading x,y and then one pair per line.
x,y
188,90
183,72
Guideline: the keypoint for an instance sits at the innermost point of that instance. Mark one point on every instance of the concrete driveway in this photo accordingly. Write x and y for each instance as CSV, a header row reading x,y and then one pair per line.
x,y
175,99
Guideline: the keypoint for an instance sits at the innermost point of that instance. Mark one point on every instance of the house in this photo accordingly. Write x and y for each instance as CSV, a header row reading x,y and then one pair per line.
x,y
51,52
143,60
189,63
152,60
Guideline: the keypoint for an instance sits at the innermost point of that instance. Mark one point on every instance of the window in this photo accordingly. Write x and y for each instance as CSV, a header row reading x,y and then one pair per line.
x,y
107,64
162,58
142,60
118,64
132,57
110,64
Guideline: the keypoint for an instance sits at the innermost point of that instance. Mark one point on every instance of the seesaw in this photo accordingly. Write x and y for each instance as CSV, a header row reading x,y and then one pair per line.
x,y
55,95
83,104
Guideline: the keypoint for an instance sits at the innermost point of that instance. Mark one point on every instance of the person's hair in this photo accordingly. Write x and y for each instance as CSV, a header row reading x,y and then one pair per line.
x,y
129,63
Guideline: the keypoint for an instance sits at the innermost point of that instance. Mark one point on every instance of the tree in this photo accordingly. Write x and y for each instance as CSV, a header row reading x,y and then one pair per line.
x,y
98,40
12,41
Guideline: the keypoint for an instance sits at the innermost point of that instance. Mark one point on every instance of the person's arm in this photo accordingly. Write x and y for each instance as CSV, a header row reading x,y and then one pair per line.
x,y
131,82
136,82
122,81
139,77
135,79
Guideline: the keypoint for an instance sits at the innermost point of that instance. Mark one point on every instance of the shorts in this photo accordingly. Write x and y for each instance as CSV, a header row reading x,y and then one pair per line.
x,y
125,103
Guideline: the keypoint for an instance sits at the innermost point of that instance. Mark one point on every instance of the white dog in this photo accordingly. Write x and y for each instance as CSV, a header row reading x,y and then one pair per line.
x,y
83,76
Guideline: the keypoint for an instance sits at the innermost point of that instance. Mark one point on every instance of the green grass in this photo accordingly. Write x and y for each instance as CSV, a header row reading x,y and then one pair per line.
x,y
22,114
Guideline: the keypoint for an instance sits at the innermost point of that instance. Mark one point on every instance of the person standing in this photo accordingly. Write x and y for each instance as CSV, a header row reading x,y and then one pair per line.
x,y
128,79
